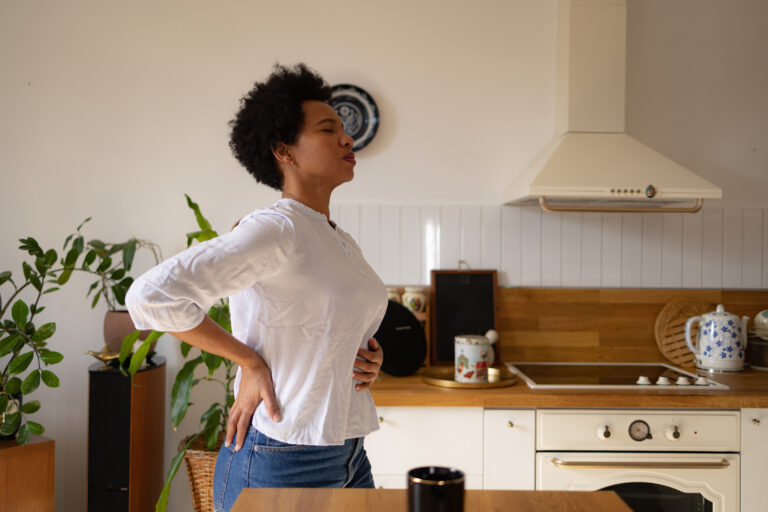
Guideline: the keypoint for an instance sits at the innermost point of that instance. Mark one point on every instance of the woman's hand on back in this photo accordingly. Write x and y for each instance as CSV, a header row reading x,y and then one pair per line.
x,y
367,369
255,386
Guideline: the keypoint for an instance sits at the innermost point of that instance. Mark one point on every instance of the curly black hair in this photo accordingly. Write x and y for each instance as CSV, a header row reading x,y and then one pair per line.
x,y
270,113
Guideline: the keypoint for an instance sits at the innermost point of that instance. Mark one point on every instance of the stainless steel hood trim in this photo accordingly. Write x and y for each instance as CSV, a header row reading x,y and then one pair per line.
x,y
547,207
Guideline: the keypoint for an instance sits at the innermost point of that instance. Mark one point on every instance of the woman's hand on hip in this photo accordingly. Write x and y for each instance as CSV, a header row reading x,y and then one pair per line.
x,y
255,386
367,369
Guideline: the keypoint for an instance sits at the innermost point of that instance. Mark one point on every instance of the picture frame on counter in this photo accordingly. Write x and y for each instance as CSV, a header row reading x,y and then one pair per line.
x,y
461,302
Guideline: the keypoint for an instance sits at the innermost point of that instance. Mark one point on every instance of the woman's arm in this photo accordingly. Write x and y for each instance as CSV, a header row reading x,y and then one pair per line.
x,y
255,384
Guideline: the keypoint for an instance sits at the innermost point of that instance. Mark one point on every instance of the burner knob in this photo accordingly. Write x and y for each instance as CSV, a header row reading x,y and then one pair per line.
x,y
702,381
643,380
663,381
683,381
673,433
604,432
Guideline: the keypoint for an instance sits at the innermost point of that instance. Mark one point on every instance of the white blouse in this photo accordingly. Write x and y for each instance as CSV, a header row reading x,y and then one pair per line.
x,y
301,295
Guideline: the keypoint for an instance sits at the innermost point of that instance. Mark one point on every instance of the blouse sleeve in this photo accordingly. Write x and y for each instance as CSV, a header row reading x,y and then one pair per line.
x,y
176,294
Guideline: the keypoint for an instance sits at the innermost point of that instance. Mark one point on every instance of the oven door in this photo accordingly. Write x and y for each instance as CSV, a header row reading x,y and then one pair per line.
x,y
672,482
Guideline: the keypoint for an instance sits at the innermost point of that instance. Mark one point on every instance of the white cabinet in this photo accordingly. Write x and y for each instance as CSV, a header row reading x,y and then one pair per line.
x,y
426,436
754,459
509,449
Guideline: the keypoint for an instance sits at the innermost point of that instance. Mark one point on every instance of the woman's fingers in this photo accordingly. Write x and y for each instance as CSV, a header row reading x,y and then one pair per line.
x,y
256,386
366,370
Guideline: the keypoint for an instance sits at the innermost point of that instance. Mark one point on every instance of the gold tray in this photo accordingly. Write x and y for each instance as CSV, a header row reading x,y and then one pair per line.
x,y
443,376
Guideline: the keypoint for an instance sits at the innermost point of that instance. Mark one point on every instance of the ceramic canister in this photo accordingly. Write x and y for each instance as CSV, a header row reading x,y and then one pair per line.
x,y
472,354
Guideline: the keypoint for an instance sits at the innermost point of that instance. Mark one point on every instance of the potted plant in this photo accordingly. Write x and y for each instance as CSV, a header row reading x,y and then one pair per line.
x,y
201,448
111,263
24,353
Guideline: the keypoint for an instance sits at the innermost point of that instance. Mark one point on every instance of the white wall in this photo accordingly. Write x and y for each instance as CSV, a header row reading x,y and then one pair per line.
x,y
116,109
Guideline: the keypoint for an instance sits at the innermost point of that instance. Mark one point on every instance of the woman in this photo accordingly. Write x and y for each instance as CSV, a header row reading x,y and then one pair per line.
x,y
304,303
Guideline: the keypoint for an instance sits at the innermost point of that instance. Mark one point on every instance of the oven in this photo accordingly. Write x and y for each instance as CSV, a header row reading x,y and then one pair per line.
x,y
655,460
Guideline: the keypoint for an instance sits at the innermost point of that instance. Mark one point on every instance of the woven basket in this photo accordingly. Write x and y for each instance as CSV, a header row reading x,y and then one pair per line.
x,y
200,464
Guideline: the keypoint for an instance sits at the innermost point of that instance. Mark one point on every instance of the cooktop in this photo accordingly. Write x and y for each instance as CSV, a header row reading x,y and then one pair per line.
x,y
635,376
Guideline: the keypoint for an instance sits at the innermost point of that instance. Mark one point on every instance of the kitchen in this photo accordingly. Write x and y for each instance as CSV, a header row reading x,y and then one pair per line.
x,y
427,191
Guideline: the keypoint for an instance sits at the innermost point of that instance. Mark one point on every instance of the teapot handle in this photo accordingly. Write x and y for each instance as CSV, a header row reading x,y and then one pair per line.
x,y
688,341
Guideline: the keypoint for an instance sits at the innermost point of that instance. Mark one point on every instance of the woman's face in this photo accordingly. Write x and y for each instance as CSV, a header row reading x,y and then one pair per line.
x,y
322,152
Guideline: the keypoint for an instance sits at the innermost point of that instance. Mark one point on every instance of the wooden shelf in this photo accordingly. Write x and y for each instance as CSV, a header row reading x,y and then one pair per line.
x,y
27,475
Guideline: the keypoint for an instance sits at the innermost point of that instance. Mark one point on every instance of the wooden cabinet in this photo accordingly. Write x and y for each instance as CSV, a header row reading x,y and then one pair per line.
x,y
426,436
27,475
126,433
509,448
754,459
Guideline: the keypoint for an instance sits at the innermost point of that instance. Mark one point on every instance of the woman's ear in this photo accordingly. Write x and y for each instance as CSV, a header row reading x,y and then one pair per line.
x,y
282,153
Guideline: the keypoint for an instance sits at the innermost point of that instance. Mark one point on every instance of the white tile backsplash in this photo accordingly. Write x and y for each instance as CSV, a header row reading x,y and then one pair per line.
x,y
714,248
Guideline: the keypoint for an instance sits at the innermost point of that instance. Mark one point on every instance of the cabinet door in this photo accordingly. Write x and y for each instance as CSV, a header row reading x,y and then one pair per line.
x,y
426,436
509,448
754,458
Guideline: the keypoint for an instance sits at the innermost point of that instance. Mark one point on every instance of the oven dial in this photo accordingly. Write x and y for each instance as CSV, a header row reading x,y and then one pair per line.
x,y
604,432
639,430
673,433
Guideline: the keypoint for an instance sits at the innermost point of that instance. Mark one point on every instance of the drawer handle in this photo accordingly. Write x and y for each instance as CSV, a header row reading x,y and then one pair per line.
x,y
381,419
510,424
756,422
639,464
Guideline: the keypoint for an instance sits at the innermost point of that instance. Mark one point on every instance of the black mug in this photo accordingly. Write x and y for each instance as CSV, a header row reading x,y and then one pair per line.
x,y
435,489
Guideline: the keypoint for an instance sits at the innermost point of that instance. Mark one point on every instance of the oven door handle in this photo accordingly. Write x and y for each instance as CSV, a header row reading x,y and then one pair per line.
x,y
639,464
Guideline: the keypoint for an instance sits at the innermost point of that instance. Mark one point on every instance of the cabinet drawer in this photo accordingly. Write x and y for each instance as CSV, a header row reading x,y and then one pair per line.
x,y
427,436
509,436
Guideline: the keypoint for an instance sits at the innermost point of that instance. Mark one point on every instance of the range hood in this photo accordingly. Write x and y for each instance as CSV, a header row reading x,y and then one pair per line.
x,y
592,165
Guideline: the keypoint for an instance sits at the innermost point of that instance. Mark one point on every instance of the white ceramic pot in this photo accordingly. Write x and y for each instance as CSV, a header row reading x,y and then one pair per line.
x,y
415,299
721,342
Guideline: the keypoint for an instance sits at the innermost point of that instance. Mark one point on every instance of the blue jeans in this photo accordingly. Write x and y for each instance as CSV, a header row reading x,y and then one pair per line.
x,y
266,462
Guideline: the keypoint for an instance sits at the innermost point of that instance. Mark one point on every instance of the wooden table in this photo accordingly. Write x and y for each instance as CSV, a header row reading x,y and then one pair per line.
x,y
396,500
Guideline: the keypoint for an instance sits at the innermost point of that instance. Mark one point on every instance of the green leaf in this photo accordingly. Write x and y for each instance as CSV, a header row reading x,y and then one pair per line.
x,y
129,250
10,424
28,270
19,313
51,357
66,242
22,436
49,290
201,221
39,310
31,246
82,223
44,332
207,414
8,344
96,298
5,276
97,244
162,502
71,257
4,399
104,265
20,364
64,277
119,293
93,285
50,379
90,257
78,245
127,345
50,257
138,357
182,387
117,275
13,386
30,407
35,428
211,361
185,348
212,429
31,383
201,236
38,285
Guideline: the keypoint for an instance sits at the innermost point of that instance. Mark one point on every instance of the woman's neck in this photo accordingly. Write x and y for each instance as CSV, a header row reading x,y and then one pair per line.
x,y
318,202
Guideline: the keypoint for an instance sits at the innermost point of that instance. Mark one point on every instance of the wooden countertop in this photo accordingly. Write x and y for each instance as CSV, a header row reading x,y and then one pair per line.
x,y
747,389
396,500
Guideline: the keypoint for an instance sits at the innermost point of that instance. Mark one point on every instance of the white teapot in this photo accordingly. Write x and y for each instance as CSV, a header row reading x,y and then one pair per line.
x,y
721,342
